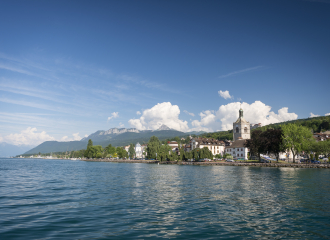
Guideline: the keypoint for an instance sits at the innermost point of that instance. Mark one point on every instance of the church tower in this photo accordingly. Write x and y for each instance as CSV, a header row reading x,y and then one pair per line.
x,y
241,128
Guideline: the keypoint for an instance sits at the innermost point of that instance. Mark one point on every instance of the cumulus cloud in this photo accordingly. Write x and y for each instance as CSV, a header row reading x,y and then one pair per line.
x,y
75,137
191,114
327,114
313,115
113,115
207,122
29,136
256,112
162,113
224,94
121,125
138,113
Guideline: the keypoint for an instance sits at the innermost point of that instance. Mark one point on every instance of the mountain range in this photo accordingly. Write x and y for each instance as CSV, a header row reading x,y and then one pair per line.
x,y
113,136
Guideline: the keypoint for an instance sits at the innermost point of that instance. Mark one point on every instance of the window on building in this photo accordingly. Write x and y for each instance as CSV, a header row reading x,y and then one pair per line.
x,y
237,129
241,155
241,149
237,154
245,130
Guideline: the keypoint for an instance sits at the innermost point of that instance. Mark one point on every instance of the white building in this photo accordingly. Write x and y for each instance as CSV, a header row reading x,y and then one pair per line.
x,y
138,151
238,150
241,132
214,145
173,144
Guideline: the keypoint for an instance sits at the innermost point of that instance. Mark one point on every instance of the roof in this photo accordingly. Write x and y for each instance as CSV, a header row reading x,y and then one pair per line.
x,y
238,144
208,141
241,120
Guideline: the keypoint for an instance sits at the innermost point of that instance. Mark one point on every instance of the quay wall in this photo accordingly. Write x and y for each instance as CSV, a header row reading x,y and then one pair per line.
x,y
246,164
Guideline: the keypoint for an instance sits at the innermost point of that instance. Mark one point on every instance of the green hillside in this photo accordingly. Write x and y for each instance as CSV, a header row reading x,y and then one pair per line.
x,y
316,124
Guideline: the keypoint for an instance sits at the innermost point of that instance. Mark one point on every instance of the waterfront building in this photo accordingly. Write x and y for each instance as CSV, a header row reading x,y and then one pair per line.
x,y
241,128
238,149
241,132
138,150
173,144
214,145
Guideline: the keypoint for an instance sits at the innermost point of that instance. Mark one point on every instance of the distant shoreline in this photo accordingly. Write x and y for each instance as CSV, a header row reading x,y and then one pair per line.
x,y
277,165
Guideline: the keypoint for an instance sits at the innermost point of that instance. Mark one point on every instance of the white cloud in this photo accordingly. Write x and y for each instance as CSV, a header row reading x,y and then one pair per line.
x,y
225,94
327,114
138,113
162,113
121,125
29,136
313,115
191,114
113,115
207,119
256,112
75,137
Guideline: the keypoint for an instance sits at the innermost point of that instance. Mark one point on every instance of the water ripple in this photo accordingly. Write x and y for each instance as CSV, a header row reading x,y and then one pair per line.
x,y
51,199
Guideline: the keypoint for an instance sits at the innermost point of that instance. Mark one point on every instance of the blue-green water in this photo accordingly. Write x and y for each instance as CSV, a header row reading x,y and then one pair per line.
x,y
53,199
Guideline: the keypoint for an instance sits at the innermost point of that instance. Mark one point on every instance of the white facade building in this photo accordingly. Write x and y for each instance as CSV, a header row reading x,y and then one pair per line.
x,y
138,150
238,150
214,145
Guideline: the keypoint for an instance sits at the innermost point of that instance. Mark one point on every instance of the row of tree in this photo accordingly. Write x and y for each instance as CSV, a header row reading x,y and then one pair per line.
x,y
293,137
163,152
109,151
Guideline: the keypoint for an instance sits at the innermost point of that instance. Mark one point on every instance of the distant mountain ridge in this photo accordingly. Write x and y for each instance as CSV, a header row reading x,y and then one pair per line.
x,y
10,150
114,136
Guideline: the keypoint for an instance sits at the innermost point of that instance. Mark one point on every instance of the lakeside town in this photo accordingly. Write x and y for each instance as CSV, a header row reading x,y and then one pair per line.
x,y
289,143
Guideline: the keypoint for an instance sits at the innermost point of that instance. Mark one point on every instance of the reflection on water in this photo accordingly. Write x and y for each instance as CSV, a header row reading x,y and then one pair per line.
x,y
84,200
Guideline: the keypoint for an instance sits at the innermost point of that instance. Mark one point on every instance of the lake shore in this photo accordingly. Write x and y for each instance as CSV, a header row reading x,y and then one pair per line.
x,y
245,164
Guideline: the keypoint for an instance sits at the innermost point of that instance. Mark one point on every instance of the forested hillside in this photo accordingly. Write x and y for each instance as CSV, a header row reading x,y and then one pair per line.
x,y
316,124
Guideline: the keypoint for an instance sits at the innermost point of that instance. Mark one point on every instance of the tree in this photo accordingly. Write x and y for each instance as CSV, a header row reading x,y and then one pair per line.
x,y
131,151
90,143
273,141
257,143
121,152
153,147
296,138
205,153
218,156
94,152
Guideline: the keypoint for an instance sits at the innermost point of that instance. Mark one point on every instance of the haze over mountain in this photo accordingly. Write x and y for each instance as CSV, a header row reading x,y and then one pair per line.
x,y
114,136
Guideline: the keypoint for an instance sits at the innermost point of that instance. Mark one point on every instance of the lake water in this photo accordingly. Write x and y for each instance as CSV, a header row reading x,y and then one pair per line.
x,y
63,199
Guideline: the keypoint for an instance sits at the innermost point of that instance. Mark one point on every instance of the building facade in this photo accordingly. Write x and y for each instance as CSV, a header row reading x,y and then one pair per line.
x,y
241,128
238,150
214,145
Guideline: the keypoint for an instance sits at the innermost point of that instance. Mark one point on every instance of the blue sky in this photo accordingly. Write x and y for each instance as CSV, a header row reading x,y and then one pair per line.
x,y
70,68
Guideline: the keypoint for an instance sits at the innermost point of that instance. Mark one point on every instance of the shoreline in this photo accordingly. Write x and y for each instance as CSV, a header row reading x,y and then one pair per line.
x,y
290,165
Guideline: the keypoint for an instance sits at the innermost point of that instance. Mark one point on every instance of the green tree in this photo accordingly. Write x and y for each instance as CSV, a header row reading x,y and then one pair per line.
x,y
273,141
296,138
257,143
90,143
94,152
218,156
205,153
131,151
121,153
153,147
